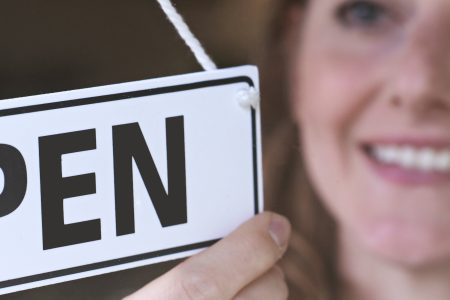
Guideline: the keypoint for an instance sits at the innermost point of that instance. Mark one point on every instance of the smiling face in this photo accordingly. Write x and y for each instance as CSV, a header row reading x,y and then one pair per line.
x,y
371,93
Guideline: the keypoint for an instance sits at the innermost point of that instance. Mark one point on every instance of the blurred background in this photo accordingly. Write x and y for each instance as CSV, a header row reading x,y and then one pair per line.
x,y
55,45
51,45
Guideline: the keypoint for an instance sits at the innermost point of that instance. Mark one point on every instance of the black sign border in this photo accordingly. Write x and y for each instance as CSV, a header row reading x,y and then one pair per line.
x,y
125,96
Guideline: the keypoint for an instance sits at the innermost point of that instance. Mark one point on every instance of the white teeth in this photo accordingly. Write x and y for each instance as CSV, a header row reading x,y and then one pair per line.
x,y
442,161
409,157
426,159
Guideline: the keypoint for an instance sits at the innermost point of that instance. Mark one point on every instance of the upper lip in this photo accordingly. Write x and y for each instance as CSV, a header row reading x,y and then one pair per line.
x,y
411,140
416,142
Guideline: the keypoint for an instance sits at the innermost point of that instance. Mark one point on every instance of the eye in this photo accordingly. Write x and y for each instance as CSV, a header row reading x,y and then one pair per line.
x,y
361,14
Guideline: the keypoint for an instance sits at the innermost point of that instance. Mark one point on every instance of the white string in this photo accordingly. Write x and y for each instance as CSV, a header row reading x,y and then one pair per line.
x,y
248,97
183,30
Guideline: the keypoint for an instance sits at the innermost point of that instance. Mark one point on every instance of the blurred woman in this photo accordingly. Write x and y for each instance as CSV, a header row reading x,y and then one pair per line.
x,y
366,185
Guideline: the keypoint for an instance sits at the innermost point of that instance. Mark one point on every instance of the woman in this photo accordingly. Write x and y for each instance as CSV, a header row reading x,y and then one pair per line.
x,y
369,91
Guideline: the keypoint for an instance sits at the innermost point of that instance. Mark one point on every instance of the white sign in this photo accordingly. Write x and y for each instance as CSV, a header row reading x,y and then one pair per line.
x,y
109,178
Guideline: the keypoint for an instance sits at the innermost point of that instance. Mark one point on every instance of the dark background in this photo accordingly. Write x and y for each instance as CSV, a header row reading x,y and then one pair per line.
x,y
49,46
52,45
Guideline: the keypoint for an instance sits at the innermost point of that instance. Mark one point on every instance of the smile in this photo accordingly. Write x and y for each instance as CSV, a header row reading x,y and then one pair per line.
x,y
412,158
410,163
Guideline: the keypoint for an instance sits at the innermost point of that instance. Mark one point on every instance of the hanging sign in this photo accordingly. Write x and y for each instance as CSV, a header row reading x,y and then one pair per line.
x,y
109,178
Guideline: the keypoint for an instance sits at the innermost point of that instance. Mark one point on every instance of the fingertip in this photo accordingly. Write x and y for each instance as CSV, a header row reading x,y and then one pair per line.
x,y
279,229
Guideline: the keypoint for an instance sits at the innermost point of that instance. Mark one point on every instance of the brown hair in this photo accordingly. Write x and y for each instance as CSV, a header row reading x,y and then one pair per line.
x,y
309,263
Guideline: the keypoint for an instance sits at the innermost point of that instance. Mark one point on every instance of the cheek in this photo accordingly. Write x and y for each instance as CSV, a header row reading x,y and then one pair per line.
x,y
327,104
333,94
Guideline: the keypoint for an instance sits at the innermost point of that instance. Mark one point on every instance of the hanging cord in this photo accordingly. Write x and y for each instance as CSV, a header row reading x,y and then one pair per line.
x,y
247,98
185,33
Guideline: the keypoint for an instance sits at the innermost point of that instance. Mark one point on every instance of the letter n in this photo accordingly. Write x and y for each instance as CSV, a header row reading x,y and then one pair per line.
x,y
129,144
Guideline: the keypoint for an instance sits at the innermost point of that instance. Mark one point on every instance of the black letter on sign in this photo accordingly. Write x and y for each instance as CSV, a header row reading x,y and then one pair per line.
x,y
129,144
55,188
15,174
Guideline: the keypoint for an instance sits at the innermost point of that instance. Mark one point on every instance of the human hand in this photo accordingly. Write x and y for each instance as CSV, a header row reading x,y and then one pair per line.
x,y
240,266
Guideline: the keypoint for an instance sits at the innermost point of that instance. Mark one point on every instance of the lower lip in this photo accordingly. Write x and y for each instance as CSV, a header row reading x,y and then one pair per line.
x,y
404,176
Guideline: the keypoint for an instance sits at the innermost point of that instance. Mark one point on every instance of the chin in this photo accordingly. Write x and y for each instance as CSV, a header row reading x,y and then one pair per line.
x,y
415,246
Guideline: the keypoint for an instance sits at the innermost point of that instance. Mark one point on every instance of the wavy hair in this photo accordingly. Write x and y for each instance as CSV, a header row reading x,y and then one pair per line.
x,y
309,263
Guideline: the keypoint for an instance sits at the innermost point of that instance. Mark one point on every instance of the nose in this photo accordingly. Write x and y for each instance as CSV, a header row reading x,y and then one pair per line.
x,y
421,74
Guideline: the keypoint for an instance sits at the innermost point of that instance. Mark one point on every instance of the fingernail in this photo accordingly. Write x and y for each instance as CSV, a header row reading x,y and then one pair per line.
x,y
279,230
